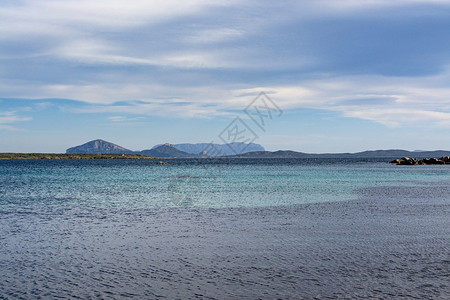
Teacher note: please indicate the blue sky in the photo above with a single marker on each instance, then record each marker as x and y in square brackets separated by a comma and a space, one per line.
[348, 75]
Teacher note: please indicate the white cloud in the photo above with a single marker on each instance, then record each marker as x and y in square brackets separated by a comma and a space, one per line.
[42, 15]
[386, 100]
[80, 32]
[156, 108]
[9, 117]
[397, 116]
[392, 101]
[95, 32]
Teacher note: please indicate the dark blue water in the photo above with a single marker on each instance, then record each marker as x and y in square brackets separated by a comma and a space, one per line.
[224, 229]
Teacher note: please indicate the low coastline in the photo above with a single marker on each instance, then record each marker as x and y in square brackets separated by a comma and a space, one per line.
[71, 156]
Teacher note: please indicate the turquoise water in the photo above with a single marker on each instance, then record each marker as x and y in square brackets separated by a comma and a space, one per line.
[223, 229]
[143, 184]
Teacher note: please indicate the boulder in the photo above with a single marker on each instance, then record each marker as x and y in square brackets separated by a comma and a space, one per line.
[445, 159]
[435, 161]
[406, 161]
[396, 161]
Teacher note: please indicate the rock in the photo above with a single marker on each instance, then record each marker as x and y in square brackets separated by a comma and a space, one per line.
[425, 161]
[396, 161]
[435, 161]
[445, 159]
[432, 161]
[406, 161]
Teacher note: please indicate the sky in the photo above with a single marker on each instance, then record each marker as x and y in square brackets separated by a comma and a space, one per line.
[311, 76]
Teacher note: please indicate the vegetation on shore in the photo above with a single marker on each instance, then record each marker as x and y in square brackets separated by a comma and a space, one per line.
[71, 156]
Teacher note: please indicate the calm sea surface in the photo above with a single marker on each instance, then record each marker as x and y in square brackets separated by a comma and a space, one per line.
[223, 229]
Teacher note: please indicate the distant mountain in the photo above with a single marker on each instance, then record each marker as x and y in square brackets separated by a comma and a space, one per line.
[364, 154]
[101, 146]
[230, 150]
[275, 154]
[218, 149]
[167, 150]
[98, 146]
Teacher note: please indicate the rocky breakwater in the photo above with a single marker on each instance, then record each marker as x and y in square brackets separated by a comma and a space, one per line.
[406, 161]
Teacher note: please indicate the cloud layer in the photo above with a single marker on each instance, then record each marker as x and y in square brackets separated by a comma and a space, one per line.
[382, 61]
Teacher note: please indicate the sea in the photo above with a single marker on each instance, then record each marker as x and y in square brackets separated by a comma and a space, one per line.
[224, 229]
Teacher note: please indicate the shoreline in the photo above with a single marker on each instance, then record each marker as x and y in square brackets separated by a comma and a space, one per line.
[23, 156]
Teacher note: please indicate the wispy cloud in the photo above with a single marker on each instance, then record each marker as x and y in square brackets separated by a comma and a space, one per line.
[75, 30]
[96, 14]
[181, 110]
[11, 117]
[386, 100]
[392, 101]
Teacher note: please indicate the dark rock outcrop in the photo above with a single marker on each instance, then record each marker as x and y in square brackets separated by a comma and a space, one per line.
[406, 161]
[446, 159]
